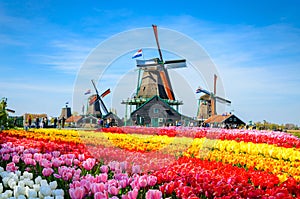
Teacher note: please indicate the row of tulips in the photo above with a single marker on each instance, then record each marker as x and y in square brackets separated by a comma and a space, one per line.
[260, 156]
[255, 136]
[281, 161]
[193, 178]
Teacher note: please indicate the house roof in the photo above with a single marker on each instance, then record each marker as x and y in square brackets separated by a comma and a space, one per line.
[217, 118]
[74, 118]
[151, 99]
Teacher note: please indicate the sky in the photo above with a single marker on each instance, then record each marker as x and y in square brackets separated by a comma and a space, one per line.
[254, 46]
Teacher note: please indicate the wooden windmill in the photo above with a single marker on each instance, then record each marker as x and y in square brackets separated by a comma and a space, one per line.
[155, 79]
[97, 106]
[208, 107]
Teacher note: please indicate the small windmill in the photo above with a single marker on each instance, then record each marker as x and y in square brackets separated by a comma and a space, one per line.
[97, 102]
[212, 98]
[155, 79]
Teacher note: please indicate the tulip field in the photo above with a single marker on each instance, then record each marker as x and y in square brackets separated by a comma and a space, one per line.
[152, 163]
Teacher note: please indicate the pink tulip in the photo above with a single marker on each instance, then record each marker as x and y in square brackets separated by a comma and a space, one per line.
[81, 157]
[133, 194]
[56, 162]
[102, 177]
[11, 167]
[101, 195]
[151, 180]
[5, 156]
[113, 190]
[55, 154]
[104, 169]
[153, 194]
[142, 181]
[123, 166]
[45, 163]
[16, 159]
[69, 162]
[37, 156]
[77, 192]
[89, 164]
[29, 161]
[136, 169]
[97, 187]
[47, 172]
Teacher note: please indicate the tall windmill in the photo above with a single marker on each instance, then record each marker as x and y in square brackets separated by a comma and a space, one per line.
[96, 102]
[210, 101]
[155, 79]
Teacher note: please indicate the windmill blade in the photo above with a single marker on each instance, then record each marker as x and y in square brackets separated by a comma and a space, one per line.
[95, 87]
[222, 100]
[103, 106]
[147, 63]
[201, 90]
[157, 42]
[180, 63]
[10, 110]
[105, 93]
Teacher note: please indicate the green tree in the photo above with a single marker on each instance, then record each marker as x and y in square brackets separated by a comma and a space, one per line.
[3, 113]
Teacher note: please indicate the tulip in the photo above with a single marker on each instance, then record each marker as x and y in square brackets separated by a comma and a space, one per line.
[77, 193]
[142, 181]
[133, 194]
[104, 169]
[113, 190]
[151, 180]
[136, 169]
[89, 164]
[47, 172]
[11, 167]
[101, 195]
[153, 194]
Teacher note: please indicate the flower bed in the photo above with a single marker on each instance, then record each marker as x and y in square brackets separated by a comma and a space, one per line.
[169, 163]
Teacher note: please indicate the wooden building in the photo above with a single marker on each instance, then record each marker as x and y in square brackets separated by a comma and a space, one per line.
[157, 112]
[224, 121]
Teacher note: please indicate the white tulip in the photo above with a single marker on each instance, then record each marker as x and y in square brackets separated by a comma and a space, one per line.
[4, 174]
[21, 197]
[58, 192]
[49, 197]
[38, 180]
[36, 187]
[8, 193]
[31, 193]
[1, 188]
[18, 173]
[21, 183]
[53, 185]
[44, 183]
[45, 190]
[5, 181]
[11, 183]
[1, 169]
[59, 197]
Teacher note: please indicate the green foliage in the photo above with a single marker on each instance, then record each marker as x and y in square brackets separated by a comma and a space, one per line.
[3, 114]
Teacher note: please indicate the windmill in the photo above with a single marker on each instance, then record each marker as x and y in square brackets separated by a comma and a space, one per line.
[96, 102]
[155, 80]
[210, 98]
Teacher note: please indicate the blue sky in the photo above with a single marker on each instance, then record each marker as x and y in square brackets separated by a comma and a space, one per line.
[254, 45]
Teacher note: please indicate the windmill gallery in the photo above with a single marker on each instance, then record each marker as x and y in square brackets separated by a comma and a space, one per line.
[154, 102]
